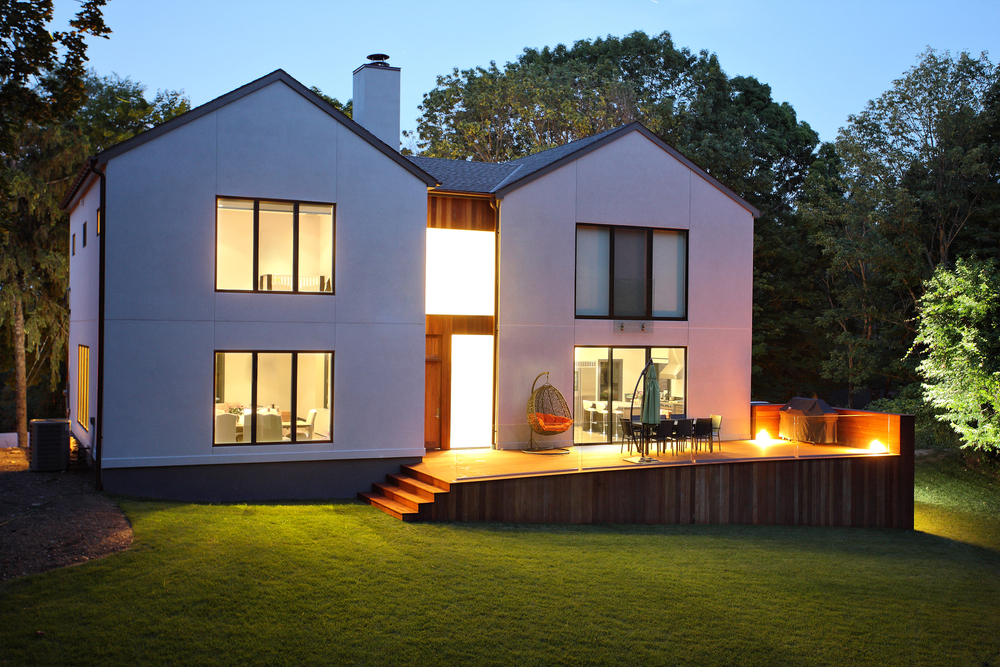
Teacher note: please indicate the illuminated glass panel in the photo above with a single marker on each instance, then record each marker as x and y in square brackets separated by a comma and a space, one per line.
[315, 248]
[274, 247]
[83, 386]
[471, 391]
[234, 245]
[461, 272]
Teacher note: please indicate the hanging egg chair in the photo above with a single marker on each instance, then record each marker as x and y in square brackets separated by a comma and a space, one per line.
[548, 414]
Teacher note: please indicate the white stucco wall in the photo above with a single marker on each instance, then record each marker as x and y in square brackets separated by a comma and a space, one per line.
[630, 181]
[84, 271]
[164, 319]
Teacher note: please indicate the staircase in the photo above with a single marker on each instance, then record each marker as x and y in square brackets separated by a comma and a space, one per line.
[408, 495]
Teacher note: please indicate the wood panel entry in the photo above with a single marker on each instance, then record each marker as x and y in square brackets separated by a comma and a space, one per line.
[433, 386]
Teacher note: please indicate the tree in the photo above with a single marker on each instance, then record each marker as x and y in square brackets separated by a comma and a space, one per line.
[47, 158]
[40, 87]
[915, 185]
[959, 331]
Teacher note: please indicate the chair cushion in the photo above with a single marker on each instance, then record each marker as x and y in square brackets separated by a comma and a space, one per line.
[553, 422]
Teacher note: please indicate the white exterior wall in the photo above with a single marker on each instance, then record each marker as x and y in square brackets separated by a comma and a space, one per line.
[84, 272]
[630, 181]
[164, 319]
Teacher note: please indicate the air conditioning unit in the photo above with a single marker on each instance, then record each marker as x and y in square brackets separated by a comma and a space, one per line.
[49, 445]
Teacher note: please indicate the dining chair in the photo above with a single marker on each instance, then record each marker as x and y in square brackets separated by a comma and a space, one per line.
[225, 427]
[683, 430]
[664, 432]
[628, 435]
[702, 432]
[309, 426]
[269, 428]
[717, 429]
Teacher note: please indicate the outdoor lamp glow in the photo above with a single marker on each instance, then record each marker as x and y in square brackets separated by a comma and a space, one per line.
[877, 446]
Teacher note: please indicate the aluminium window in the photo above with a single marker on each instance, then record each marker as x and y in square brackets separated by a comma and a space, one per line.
[631, 272]
[274, 246]
[291, 391]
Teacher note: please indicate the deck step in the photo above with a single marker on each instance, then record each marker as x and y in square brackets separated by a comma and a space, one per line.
[415, 486]
[401, 496]
[425, 478]
[389, 506]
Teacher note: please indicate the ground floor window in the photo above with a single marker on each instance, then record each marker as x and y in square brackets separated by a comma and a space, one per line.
[83, 386]
[605, 379]
[273, 397]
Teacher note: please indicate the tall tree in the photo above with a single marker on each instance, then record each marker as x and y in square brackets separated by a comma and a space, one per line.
[916, 184]
[40, 86]
[959, 332]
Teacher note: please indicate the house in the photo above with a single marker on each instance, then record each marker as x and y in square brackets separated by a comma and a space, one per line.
[265, 250]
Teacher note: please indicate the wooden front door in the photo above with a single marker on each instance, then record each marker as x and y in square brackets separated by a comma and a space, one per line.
[433, 386]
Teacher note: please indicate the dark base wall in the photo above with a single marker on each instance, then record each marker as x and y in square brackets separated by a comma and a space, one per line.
[245, 482]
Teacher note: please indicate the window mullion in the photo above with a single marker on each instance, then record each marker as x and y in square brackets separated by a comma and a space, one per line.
[256, 249]
[649, 273]
[611, 271]
[293, 413]
[295, 247]
[253, 401]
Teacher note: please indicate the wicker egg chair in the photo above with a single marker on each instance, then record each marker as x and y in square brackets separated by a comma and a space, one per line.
[548, 414]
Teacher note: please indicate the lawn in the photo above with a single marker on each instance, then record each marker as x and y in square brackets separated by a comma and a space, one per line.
[339, 583]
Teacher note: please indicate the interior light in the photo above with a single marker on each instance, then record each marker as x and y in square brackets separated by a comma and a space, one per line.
[461, 272]
[471, 391]
[877, 446]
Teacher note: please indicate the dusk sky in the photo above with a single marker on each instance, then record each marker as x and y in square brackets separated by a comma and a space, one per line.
[826, 58]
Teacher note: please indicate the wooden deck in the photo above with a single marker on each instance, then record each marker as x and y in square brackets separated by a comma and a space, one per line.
[744, 482]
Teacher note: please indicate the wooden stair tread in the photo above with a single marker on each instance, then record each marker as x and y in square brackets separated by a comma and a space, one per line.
[389, 506]
[425, 478]
[415, 485]
[401, 496]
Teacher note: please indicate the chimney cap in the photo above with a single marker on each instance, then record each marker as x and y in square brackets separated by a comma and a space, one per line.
[379, 59]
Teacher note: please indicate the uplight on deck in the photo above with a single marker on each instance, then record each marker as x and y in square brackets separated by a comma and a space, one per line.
[877, 447]
[763, 439]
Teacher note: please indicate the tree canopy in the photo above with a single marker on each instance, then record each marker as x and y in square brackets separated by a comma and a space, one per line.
[959, 331]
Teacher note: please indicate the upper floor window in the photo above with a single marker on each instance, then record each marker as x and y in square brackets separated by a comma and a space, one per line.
[631, 272]
[274, 246]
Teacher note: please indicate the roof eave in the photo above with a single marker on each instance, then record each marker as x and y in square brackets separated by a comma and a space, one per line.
[253, 86]
[502, 191]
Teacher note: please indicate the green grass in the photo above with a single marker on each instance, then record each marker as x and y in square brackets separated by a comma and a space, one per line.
[339, 583]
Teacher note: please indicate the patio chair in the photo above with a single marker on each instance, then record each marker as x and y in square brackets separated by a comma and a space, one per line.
[664, 432]
[683, 430]
[702, 433]
[629, 435]
[717, 429]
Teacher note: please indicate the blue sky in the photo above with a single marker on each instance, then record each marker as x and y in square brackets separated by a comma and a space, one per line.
[826, 58]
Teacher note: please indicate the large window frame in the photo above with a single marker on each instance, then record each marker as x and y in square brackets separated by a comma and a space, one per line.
[619, 386]
[251, 441]
[295, 246]
[649, 282]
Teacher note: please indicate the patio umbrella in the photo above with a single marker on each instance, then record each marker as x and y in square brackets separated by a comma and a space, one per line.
[651, 398]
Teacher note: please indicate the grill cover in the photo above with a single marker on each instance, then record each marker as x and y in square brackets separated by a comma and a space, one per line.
[807, 420]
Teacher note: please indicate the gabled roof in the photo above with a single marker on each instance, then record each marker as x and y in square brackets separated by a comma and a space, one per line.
[243, 91]
[499, 179]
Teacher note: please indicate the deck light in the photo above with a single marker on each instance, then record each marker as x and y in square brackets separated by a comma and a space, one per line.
[763, 438]
[878, 447]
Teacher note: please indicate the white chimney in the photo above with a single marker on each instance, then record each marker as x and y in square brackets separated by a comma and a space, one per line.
[376, 99]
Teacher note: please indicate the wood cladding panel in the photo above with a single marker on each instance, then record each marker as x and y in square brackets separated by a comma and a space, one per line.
[859, 492]
[468, 213]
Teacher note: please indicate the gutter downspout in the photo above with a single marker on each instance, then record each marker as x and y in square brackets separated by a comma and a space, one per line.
[101, 232]
[495, 205]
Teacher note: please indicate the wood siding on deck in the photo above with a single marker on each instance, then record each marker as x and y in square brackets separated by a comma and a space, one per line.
[858, 492]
